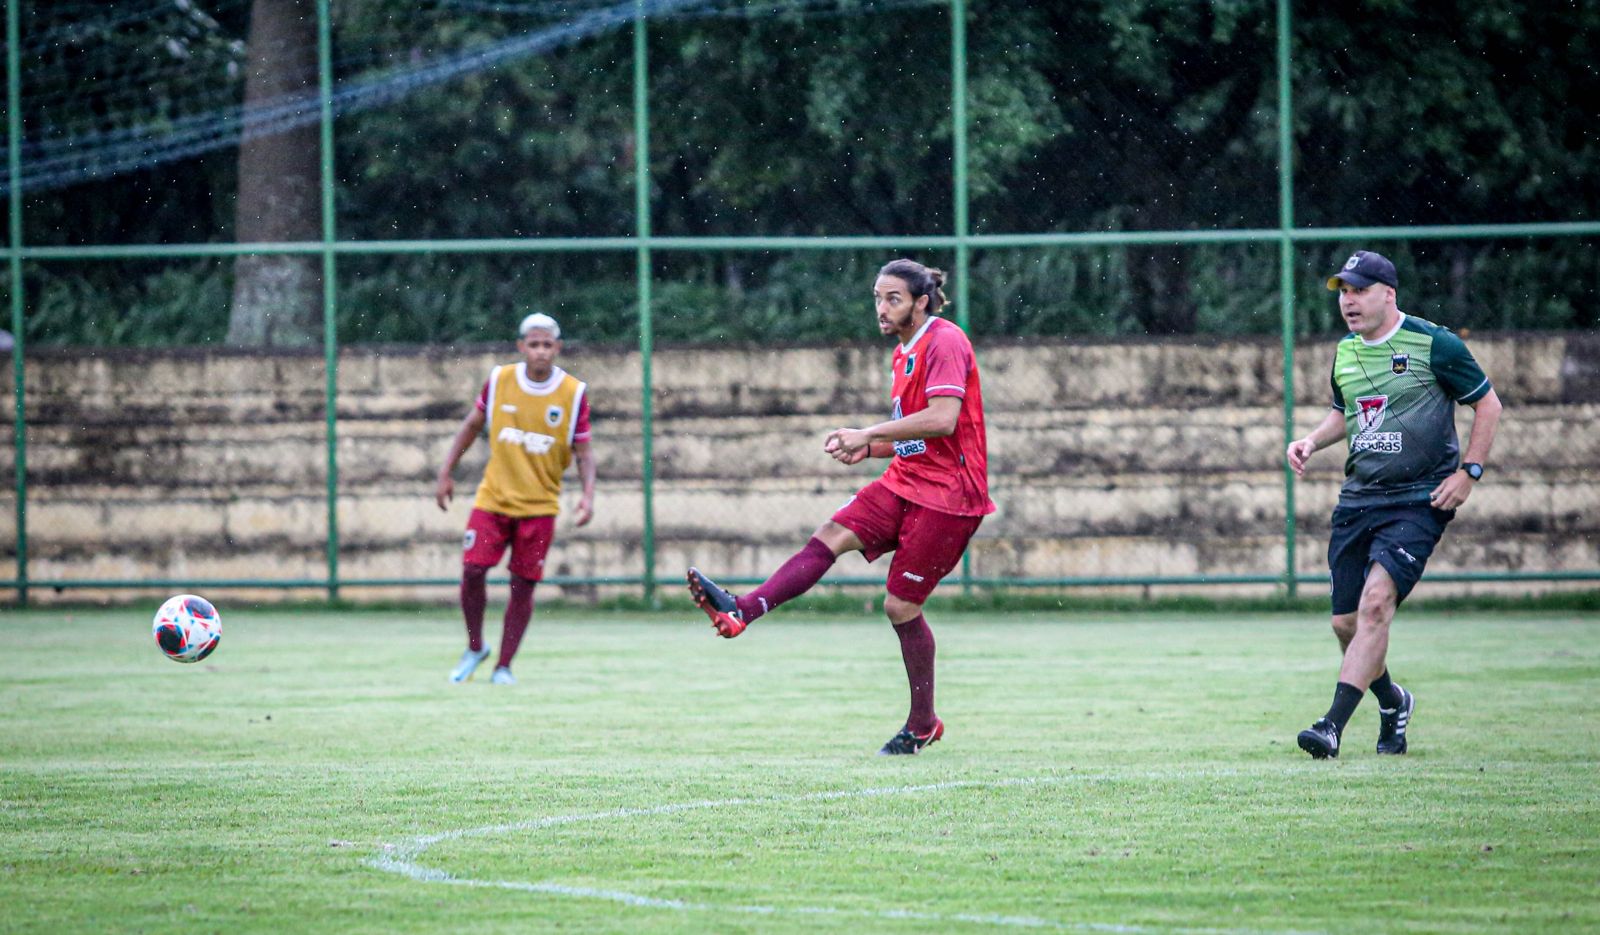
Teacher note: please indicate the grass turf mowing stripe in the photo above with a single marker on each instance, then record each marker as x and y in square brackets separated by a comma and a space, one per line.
[402, 859]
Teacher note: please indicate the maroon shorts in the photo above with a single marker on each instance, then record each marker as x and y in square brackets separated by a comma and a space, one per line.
[926, 543]
[488, 534]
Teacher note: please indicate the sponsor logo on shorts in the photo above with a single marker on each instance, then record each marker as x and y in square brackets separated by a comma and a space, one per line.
[469, 540]
[917, 578]
[533, 442]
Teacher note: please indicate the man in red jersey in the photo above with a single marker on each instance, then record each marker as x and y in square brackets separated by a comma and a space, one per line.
[924, 508]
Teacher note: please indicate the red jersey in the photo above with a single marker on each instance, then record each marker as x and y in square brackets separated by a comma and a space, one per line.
[949, 474]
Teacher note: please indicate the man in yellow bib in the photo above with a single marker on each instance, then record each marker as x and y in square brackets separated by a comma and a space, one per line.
[538, 421]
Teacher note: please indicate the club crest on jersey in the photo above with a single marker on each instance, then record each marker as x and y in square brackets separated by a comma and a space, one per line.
[1369, 413]
[552, 416]
[1399, 363]
[911, 364]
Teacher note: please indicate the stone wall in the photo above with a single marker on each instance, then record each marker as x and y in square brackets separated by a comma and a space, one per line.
[1156, 457]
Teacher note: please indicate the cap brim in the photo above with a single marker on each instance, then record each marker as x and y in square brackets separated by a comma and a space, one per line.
[1351, 277]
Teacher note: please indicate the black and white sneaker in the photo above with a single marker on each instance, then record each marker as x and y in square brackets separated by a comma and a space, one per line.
[906, 743]
[1392, 724]
[1320, 740]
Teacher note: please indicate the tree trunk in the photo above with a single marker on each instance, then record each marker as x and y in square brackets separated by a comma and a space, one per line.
[1163, 300]
[277, 300]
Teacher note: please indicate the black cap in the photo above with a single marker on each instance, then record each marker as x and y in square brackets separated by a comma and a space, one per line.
[1363, 269]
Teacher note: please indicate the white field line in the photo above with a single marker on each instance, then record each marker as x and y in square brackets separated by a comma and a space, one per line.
[402, 858]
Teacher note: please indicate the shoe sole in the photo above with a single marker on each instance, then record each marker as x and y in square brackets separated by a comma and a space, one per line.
[702, 598]
[721, 620]
[1310, 744]
[726, 626]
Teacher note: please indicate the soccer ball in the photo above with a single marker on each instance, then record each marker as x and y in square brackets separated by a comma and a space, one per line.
[187, 628]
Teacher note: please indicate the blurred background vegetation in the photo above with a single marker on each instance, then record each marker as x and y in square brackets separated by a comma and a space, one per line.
[816, 118]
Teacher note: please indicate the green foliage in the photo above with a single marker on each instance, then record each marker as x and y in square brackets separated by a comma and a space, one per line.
[172, 304]
[1453, 112]
[1103, 115]
[1126, 772]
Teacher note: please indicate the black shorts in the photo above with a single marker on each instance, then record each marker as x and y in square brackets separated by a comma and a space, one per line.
[1400, 538]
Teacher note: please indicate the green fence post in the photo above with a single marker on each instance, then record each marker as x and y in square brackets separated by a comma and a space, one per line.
[958, 131]
[330, 289]
[958, 124]
[641, 183]
[14, 163]
[1286, 279]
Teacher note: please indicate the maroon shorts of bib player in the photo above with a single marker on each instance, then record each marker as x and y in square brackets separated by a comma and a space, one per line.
[488, 534]
[926, 543]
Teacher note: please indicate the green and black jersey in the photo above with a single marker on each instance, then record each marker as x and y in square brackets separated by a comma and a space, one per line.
[1398, 395]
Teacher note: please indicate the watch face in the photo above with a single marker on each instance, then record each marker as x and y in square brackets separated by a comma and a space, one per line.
[1474, 471]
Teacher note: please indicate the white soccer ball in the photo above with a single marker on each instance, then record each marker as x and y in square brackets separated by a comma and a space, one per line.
[187, 628]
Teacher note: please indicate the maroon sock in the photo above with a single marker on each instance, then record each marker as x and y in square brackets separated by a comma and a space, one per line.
[796, 576]
[474, 597]
[518, 612]
[916, 648]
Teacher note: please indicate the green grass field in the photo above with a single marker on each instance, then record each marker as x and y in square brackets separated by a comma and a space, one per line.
[1118, 772]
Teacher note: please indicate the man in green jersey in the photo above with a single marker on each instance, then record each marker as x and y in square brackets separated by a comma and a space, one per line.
[1396, 382]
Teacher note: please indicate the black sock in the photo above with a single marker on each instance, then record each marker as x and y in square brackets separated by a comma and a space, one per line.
[1345, 699]
[1387, 693]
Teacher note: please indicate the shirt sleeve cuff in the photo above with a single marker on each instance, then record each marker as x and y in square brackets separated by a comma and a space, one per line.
[1478, 392]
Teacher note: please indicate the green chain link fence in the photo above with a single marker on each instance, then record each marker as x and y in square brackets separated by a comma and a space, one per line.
[1117, 463]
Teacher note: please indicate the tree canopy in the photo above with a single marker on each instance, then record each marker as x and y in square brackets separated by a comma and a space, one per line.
[813, 118]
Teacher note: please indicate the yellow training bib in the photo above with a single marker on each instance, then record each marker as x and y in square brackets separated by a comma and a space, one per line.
[530, 441]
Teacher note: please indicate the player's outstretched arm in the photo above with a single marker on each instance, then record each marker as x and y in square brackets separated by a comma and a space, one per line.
[936, 421]
[848, 446]
[1328, 431]
[444, 486]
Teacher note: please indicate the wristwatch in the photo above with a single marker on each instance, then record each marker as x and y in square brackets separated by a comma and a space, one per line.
[1474, 469]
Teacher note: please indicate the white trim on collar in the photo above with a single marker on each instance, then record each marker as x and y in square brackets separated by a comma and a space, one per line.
[906, 347]
[539, 389]
[1385, 338]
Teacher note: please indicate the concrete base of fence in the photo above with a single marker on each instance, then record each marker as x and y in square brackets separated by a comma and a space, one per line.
[1128, 458]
